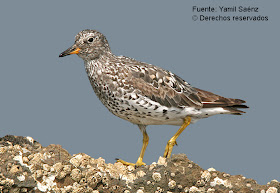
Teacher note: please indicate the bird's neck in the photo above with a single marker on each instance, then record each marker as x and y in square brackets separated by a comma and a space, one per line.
[101, 63]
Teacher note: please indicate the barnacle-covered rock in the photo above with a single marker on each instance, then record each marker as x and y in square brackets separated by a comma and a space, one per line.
[156, 176]
[76, 175]
[206, 176]
[26, 166]
[61, 171]
[83, 160]
[272, 190]
[140, 174]
[15, 169]
[192, 189]
[171, 184]
[162, 161]
[7, 183]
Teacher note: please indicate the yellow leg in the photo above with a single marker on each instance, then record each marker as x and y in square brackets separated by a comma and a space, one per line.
[172, 141]
[144, 146]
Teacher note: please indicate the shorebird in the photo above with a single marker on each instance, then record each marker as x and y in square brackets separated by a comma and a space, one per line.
[145, 94]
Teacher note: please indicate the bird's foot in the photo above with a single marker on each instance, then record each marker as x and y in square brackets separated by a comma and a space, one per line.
[137, 164]
[169, 148]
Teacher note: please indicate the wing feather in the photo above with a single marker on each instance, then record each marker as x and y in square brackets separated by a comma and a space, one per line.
[170, 90]
[163, 86]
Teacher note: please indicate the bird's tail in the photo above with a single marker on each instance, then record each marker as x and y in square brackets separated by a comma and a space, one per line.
[211, 100]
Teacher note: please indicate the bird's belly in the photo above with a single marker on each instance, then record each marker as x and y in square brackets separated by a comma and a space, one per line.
[149, 112]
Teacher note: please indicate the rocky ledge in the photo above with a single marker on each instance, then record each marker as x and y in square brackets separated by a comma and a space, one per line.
[26, 166]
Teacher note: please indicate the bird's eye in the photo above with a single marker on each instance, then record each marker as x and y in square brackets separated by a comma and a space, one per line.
[90, 40]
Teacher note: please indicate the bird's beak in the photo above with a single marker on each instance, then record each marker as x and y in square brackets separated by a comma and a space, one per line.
[72, 50]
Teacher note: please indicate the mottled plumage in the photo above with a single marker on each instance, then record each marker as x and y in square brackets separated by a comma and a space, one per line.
[142, 93]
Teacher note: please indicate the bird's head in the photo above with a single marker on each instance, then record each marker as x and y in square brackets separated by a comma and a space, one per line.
[89, 45]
